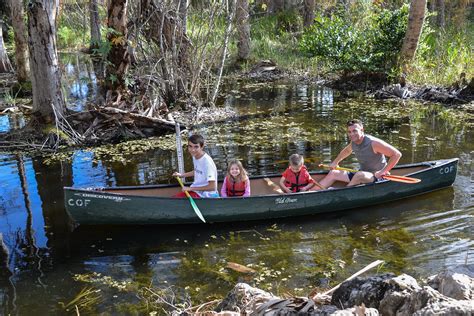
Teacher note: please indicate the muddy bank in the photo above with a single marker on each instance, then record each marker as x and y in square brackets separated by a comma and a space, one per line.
[101, 125]
[375, 85]
[450, 292]
[457, 95]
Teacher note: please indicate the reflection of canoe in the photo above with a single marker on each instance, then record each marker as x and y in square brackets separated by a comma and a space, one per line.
[152, 204]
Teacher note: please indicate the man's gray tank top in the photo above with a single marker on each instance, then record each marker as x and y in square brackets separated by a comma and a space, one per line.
[368, 160]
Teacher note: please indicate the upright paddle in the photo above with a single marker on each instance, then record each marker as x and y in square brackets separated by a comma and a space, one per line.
[402, 179]
[193, 204]
[179, 151]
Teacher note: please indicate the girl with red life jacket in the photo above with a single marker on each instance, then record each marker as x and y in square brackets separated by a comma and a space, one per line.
[296, 178]
[236, 182]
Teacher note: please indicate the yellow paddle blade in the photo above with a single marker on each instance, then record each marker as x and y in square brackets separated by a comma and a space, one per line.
[402, 179]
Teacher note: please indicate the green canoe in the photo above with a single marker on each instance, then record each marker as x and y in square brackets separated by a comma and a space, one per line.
[152, 204]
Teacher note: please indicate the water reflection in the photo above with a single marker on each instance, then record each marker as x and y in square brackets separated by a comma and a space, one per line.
[81, 76]
[418, 235]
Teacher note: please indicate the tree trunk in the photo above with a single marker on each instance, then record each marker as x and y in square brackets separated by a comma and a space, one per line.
[440, 8]
[5, 65]
[230, 17]
[21, 42]
[243, 29]
[183, 13]
[118, 58]
[416, 18]
[309, 8]
[45, 73]
[95, 24]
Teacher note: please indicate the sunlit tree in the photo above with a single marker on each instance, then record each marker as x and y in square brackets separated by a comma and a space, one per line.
[48, 100]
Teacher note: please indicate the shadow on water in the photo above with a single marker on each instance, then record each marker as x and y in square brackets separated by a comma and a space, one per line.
[47, 263]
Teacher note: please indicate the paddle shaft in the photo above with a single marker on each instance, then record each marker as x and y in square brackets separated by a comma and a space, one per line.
[179, 150]
[402, 179]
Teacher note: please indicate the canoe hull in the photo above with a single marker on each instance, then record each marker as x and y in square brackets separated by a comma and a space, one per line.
[94, 207]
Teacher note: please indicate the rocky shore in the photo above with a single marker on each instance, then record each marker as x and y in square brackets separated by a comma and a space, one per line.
[450, 292]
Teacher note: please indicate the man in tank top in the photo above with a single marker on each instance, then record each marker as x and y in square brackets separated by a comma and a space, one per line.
[371, 153]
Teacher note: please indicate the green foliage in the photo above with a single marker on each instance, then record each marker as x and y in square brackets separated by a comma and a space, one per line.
[367, 41]
[387, 39]
[443, 55]
[69, 37]
[288, 21]
[279, 46]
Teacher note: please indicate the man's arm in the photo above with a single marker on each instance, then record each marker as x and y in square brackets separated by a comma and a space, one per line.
[346, 152]
[381, 147]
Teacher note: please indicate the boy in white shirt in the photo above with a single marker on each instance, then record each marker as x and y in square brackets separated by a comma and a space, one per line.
[204, 173]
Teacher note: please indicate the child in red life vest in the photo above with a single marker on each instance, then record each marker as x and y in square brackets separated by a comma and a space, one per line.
[296, 178]
[236, 182]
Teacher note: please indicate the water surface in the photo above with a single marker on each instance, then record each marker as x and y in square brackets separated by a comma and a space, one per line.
[48, 265]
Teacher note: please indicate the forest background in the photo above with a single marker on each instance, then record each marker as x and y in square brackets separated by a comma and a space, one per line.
[153, 58]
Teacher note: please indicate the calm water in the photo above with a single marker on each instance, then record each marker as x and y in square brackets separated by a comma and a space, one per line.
[48, 266]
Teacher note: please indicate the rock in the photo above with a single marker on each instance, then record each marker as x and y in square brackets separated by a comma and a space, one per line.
[357, 310]
[401, 295]
[369, 291]
[386, 294]
[456, 308]
[244, 298]
[406, 297]
[457, 282]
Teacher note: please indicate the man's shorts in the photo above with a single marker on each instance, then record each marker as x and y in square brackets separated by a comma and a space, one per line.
[351, 175]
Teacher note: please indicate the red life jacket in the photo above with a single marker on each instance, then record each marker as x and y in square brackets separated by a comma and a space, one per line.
[293, 181]
[235, 189]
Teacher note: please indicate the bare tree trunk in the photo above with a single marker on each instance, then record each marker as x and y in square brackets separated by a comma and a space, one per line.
[45, 73]
[5, 65]
[243, 29]
[118, 58]
[416, 18]
[183, 14]
[440, 18]
[95, 24]
[230, 18]
[309, 8]
[21, 42]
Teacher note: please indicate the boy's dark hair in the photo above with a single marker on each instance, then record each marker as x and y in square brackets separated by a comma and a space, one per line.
[353, 122]
[196, 139]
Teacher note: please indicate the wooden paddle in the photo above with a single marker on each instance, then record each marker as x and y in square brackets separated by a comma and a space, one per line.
[273, 185]
[395, 178]
[319, 185]
[193, 204]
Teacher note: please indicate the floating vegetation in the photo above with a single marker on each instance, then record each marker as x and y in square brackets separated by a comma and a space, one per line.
[123, 152]
[58, 157]
[87, 299]
[100, 279]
